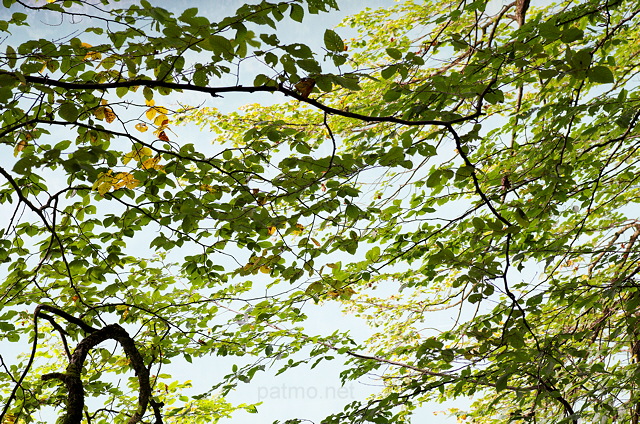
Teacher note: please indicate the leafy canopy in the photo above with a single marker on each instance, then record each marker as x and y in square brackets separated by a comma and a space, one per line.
[470, 157]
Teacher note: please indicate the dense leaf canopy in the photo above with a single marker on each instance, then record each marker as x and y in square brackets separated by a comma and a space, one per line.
[478, 158]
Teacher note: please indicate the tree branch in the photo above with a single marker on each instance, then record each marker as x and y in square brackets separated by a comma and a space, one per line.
[73, 382]
[216, 91]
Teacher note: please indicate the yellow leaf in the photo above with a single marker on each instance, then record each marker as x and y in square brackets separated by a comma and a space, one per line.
[20, 147]
[127, 180]
[160, 120]
[265, 269]
[99, 113]
[93, 56]
[151, 163]
[101, 177]
[207, 187]
[150, 102]
[271, 230]
[104, 102]
[104, 182]
[140, 154]
[142, 127]
[86, 45]
[10, 418]
[151, 113]
[298, 229]
[104, 188]
[162, 110]
[109, 115]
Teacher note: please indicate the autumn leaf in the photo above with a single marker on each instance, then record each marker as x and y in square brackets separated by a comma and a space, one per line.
[107, 181]
[150, 113]
[161, 120]
[125, 179]
[20, 147]
[91, 55]
[151, 163]
[104, 182]
[333, 294]
[207, 187]
[109, 115]
[271, 230]
[305, 86]
[138, 155]
[99, 113]
[142, 127]
[163, 136]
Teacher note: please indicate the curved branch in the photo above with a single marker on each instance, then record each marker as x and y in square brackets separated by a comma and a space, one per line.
[73, 382]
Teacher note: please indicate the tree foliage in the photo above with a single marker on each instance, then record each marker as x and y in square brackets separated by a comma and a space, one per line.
[470, 157]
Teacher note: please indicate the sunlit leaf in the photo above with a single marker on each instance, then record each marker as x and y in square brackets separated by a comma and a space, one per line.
[20, 147]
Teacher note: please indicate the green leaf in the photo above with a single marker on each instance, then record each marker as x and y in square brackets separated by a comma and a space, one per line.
[389, 71]
[391, 95]
[549, 30]
[373, 255]
[349, 82]
[434, 179]
[572, 34]
[122, 91]
[220, 44]
[600, 75]
[394, 53]
[502, 382]
[332, 41]
[297, 12]
[69, 112]
[581, 59]
[11, 56]
[478, 223]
